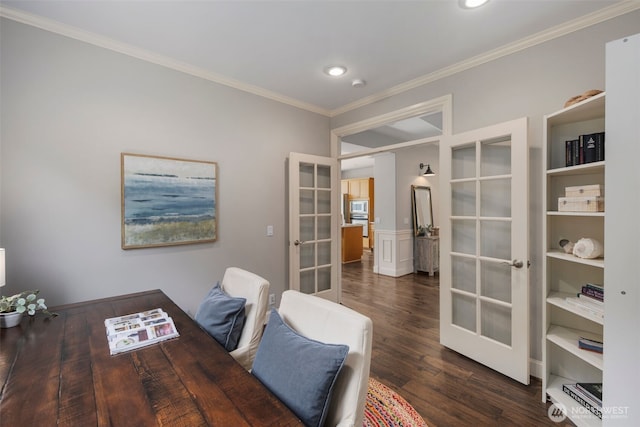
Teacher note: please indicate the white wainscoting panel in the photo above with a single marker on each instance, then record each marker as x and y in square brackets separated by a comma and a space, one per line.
[393, 253]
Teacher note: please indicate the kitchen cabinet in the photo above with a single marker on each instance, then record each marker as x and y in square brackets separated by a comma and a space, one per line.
[351, 243]
[362, 189]
[344, 186]
[357, 188]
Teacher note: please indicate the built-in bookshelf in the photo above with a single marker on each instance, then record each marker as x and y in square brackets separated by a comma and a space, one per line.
[564, 274]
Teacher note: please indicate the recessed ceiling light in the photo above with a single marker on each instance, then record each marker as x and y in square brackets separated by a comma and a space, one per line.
[470, 4]
[335, 70]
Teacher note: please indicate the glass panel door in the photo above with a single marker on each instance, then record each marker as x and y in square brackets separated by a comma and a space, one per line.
[314, 216]
[484, 278]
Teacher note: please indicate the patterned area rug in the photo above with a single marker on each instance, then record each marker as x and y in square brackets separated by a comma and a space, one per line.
[386, 408]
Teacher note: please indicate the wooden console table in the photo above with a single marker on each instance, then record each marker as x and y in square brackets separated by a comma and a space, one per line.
[58, 371]
[427, 255]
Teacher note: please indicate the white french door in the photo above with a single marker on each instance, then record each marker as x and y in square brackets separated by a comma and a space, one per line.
[484, 279]
[314, 215]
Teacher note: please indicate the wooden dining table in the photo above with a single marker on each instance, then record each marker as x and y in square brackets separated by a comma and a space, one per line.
[58, 371]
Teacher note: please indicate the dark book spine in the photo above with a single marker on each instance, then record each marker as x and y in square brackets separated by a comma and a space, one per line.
[576, 152]
[581, 150]
[598, 295]
[586, 388]
[600, 147]
[589, 347]
[568, 153]
[589, 148]
[575, 396]
[595, 287]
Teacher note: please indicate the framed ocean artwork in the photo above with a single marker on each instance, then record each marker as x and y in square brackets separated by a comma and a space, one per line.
[167, 201]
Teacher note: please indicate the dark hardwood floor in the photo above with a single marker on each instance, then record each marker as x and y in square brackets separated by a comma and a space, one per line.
[446, 388]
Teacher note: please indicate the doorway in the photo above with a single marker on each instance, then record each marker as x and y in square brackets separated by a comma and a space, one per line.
[484, 172]
[394, 145]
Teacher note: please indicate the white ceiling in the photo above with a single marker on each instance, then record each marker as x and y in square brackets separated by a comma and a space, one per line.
[279, 48]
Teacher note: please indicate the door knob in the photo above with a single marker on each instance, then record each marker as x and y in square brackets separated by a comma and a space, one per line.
[298, 242]
[515, 263]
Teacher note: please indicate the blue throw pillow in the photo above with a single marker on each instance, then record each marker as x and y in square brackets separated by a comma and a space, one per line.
[222, 316]
[300, 371]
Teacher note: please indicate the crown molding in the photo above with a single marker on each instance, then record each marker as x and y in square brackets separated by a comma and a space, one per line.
[145, 55]
[594, 18]
[597, 17]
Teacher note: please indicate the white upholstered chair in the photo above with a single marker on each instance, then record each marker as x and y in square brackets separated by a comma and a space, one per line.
[241, 283]
[331, 323]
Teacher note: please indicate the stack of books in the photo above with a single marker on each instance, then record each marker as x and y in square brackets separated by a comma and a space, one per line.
[588, 395]
[586, 148]
[590, 300]
[137, 330]
[594, 292]
[591, 345]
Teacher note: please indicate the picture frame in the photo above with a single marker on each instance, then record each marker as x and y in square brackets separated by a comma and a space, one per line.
[167, 201]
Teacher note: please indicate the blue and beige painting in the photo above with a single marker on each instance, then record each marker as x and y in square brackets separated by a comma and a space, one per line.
[167, 201]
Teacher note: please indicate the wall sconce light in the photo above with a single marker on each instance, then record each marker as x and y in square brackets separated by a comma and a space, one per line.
[427, 172]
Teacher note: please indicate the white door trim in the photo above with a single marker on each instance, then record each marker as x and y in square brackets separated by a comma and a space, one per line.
[443, 103]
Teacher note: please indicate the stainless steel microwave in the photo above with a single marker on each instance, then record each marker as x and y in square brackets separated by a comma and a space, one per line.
[359, 207]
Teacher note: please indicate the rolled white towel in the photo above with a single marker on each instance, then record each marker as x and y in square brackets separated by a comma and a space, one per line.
[588, 248]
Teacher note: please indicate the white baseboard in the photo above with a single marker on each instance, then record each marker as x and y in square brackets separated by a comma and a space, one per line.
[535, 368]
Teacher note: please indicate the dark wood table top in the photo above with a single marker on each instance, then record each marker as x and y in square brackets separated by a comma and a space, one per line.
[59, 371]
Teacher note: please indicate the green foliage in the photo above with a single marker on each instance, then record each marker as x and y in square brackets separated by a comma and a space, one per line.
[423, 231]
[24, 302]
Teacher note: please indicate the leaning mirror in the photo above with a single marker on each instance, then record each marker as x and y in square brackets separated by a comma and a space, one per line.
[422, 210]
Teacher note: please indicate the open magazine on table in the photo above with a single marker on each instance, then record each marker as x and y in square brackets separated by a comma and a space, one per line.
[132, 331]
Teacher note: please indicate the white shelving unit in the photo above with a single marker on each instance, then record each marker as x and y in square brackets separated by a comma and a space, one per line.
[565, 274]
[622, 276]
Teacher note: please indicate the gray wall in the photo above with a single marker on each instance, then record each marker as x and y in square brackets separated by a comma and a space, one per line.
[357, 173]
[408, 169]
[384, 181]
[69, 109]
[533, 82]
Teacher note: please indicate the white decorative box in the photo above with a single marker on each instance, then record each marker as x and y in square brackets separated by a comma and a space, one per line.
[581, 204]
[584, 190]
